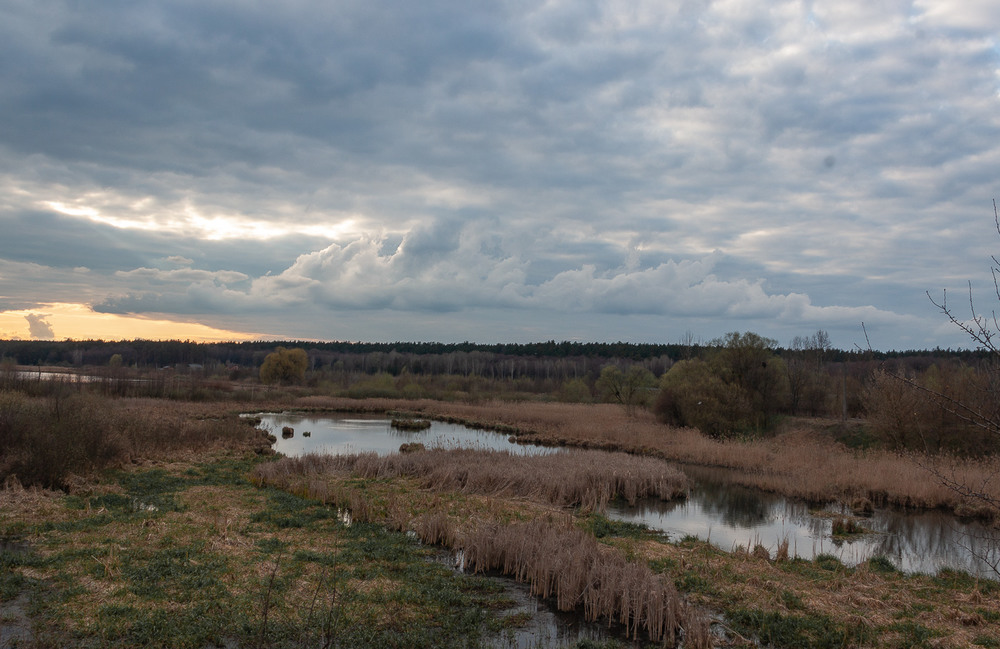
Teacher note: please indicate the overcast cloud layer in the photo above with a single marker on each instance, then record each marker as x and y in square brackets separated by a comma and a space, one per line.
[508, 171]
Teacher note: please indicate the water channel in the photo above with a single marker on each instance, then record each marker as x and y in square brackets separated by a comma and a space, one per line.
[732, 516]
[544, 625]
[717, 510]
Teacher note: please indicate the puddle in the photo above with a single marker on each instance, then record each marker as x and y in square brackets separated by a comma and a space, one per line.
[15, 628]
[537, 622]
[14, 545]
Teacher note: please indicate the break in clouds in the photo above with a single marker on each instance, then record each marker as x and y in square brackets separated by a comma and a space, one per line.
[517, 171]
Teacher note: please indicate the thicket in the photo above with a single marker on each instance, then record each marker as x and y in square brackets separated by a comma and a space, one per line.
[54, 440]
[741, 386]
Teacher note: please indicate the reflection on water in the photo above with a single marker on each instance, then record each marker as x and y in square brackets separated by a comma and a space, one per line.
[731, 516]
[541, 623]
[360, 434]
[726, 514]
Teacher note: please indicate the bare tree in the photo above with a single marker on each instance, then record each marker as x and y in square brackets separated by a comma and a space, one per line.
[980, 409]
[983, 330]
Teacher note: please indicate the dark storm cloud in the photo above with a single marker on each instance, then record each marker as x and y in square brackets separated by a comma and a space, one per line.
[726, 164]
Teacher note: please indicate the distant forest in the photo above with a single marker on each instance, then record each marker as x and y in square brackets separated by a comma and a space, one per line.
[741, 384]
[550, 359]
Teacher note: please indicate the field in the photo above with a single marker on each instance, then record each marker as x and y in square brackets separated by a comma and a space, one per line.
[178, 529]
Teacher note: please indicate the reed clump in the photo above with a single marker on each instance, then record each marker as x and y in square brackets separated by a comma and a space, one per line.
[585, 479]
[569, 565]
[558, 559]
[410, 424]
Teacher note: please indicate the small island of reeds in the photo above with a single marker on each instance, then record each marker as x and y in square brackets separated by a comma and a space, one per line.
[410, 424]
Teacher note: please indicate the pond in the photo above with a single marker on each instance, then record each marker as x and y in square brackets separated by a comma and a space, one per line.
[360, 434]
[731, 516]
[716, 510]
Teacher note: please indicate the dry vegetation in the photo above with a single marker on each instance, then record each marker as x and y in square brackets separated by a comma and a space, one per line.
[556, 558]
[783, 602]
[801, 460]
[588, 480]
[228, 547]
[59, 440]
[566, 563]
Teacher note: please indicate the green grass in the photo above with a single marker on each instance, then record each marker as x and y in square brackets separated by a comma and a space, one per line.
[371, 588]
[828, 562]
[601, 526]
[882, 565]
[798, 631]
[911, 634]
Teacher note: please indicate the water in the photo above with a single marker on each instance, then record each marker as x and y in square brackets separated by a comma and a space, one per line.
[731, 516]
[359, 434]
[544, 625]
[718, 511]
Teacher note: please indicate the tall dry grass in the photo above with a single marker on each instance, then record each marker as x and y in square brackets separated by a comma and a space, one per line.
[50, 442]
[565, 563]
[556, 558]
[585, 479]
[797, 462]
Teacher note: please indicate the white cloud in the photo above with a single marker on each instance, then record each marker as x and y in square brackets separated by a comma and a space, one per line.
[38, 328]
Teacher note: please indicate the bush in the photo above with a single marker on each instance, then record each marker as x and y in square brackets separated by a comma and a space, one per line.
[284, 366]
[740, 388]
[629, 388]
[575, 391]
[45, 445]
[691, 394]
[46, 441]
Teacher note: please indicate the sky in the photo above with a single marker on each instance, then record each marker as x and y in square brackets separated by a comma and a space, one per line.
[447, 170]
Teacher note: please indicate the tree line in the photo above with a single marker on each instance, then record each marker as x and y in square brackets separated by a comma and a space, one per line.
[393, 357]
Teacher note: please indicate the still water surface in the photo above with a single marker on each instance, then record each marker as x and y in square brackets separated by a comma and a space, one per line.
[360, 434]
[731, 516]
[726, 514]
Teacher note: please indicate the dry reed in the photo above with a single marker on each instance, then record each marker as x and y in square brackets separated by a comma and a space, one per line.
[798, 462]
[585, 479]
[565, 563]
[557, 559]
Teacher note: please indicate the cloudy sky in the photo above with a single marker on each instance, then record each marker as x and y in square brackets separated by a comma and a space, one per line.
[517, 171]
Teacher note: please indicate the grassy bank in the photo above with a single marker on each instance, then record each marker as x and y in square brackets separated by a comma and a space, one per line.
[190, 554]
[189, 536]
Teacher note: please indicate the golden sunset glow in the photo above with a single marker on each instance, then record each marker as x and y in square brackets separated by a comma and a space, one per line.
[59, 321]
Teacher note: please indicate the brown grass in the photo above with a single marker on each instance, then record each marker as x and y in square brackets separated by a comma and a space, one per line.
[801, 461]
[585, 479]
[556, 558]
[563, 562]
[52, 442]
